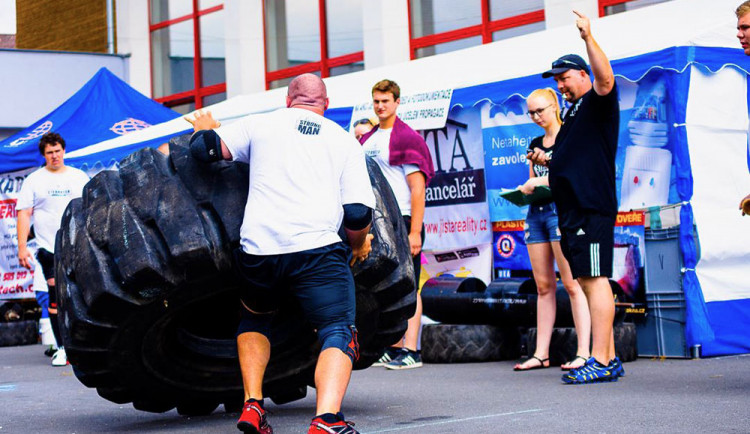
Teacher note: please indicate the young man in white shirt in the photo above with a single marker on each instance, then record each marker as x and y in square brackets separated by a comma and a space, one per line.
[403, 157]
[306, 174]
[44, 196]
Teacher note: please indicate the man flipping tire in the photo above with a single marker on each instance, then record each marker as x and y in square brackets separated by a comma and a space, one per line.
[306, 173]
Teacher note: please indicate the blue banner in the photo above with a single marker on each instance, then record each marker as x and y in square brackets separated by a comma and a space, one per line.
[507, 133]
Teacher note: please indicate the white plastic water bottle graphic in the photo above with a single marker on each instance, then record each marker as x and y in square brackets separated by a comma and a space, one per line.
[647, 170]
[648, 123]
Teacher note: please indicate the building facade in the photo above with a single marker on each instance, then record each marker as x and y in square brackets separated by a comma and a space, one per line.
[188, 54]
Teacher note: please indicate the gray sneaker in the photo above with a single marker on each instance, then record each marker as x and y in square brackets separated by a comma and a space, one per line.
[406, 359]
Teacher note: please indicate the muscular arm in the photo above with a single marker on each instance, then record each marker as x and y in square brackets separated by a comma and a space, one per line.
[604, 78]
[416, 182]
[23, 228]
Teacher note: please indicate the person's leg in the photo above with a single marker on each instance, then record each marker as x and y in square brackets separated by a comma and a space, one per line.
[588, 246]
[579, 307]
[47, 261]
[411, 337]
[540, 255]
[602, 308]
[332, 375]
[404, 354]
[322, 281]
[254, 351]
[259, 302]
[52, 309]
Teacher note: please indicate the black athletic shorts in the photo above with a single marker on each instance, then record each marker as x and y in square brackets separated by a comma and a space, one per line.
[588, 244]
[47, 261]
[320, 279]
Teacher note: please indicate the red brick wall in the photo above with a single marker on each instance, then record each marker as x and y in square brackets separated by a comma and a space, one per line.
[62, 25]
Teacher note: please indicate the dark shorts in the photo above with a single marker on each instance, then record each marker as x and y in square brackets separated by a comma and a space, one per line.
[588, 244]
[47, 261]
[541, 224]
[320, 279]
[416, 260]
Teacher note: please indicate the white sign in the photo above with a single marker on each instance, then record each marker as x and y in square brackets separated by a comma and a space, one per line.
[421, 111]
[15, 281]
[472, 261]
[456, 213]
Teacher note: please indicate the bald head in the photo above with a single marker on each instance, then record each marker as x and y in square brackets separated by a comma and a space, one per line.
[307, 90]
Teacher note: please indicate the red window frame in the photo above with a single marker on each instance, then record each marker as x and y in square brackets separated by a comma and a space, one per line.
[485, 29]
[199, 91]
[325, 63]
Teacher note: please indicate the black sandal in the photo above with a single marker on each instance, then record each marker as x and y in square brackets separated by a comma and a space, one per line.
[539, 366]
[574, 359]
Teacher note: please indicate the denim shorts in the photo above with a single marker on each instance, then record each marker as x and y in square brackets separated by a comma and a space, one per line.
[541, 224]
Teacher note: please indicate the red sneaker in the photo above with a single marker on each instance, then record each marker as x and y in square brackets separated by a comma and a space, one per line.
[253, 419]
[340, 426]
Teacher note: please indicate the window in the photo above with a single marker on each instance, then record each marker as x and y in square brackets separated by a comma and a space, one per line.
[440, 26]
[322, 37]
[609, 7]
[187, 53]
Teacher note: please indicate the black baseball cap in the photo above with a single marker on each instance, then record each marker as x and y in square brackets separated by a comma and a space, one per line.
[566, 62]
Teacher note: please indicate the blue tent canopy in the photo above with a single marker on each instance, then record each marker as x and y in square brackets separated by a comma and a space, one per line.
[631, 68]
[104, 108]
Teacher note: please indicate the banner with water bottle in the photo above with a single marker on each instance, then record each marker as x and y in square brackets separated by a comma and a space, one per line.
[645, 169]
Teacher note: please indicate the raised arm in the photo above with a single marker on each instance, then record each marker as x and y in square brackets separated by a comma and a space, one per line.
[604, 78]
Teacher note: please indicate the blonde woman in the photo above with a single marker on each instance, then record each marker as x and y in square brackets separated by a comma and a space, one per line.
[543, 242]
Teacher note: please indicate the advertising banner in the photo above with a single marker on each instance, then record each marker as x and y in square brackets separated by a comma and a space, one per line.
[456, 213]
[15, 281]
[421, 111]
[510, 252]
[644, 165]
[507, 133]
[630, 255]
[510, 246]
[473, 261]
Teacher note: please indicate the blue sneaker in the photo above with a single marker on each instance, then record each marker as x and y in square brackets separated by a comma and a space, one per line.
[389, 354]
[591, 372]
[406, 359]
[616, 366]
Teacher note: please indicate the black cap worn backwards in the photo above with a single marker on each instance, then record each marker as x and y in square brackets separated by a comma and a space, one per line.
[566, 62]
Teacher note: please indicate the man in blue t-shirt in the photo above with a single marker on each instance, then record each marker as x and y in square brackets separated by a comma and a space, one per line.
[582, 180]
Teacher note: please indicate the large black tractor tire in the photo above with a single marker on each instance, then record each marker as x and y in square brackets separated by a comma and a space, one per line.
[460, 343]
[149, 302]
[564, 343]
[15, 333]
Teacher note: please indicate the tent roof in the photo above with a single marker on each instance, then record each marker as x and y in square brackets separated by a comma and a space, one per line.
[488, 71]
[104, 108]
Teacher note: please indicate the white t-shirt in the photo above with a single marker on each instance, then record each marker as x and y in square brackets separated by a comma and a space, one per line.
[48, 194]
[378, 147]
[303, 169]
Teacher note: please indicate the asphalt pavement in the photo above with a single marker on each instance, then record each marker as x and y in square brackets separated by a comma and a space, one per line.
[672, 395]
